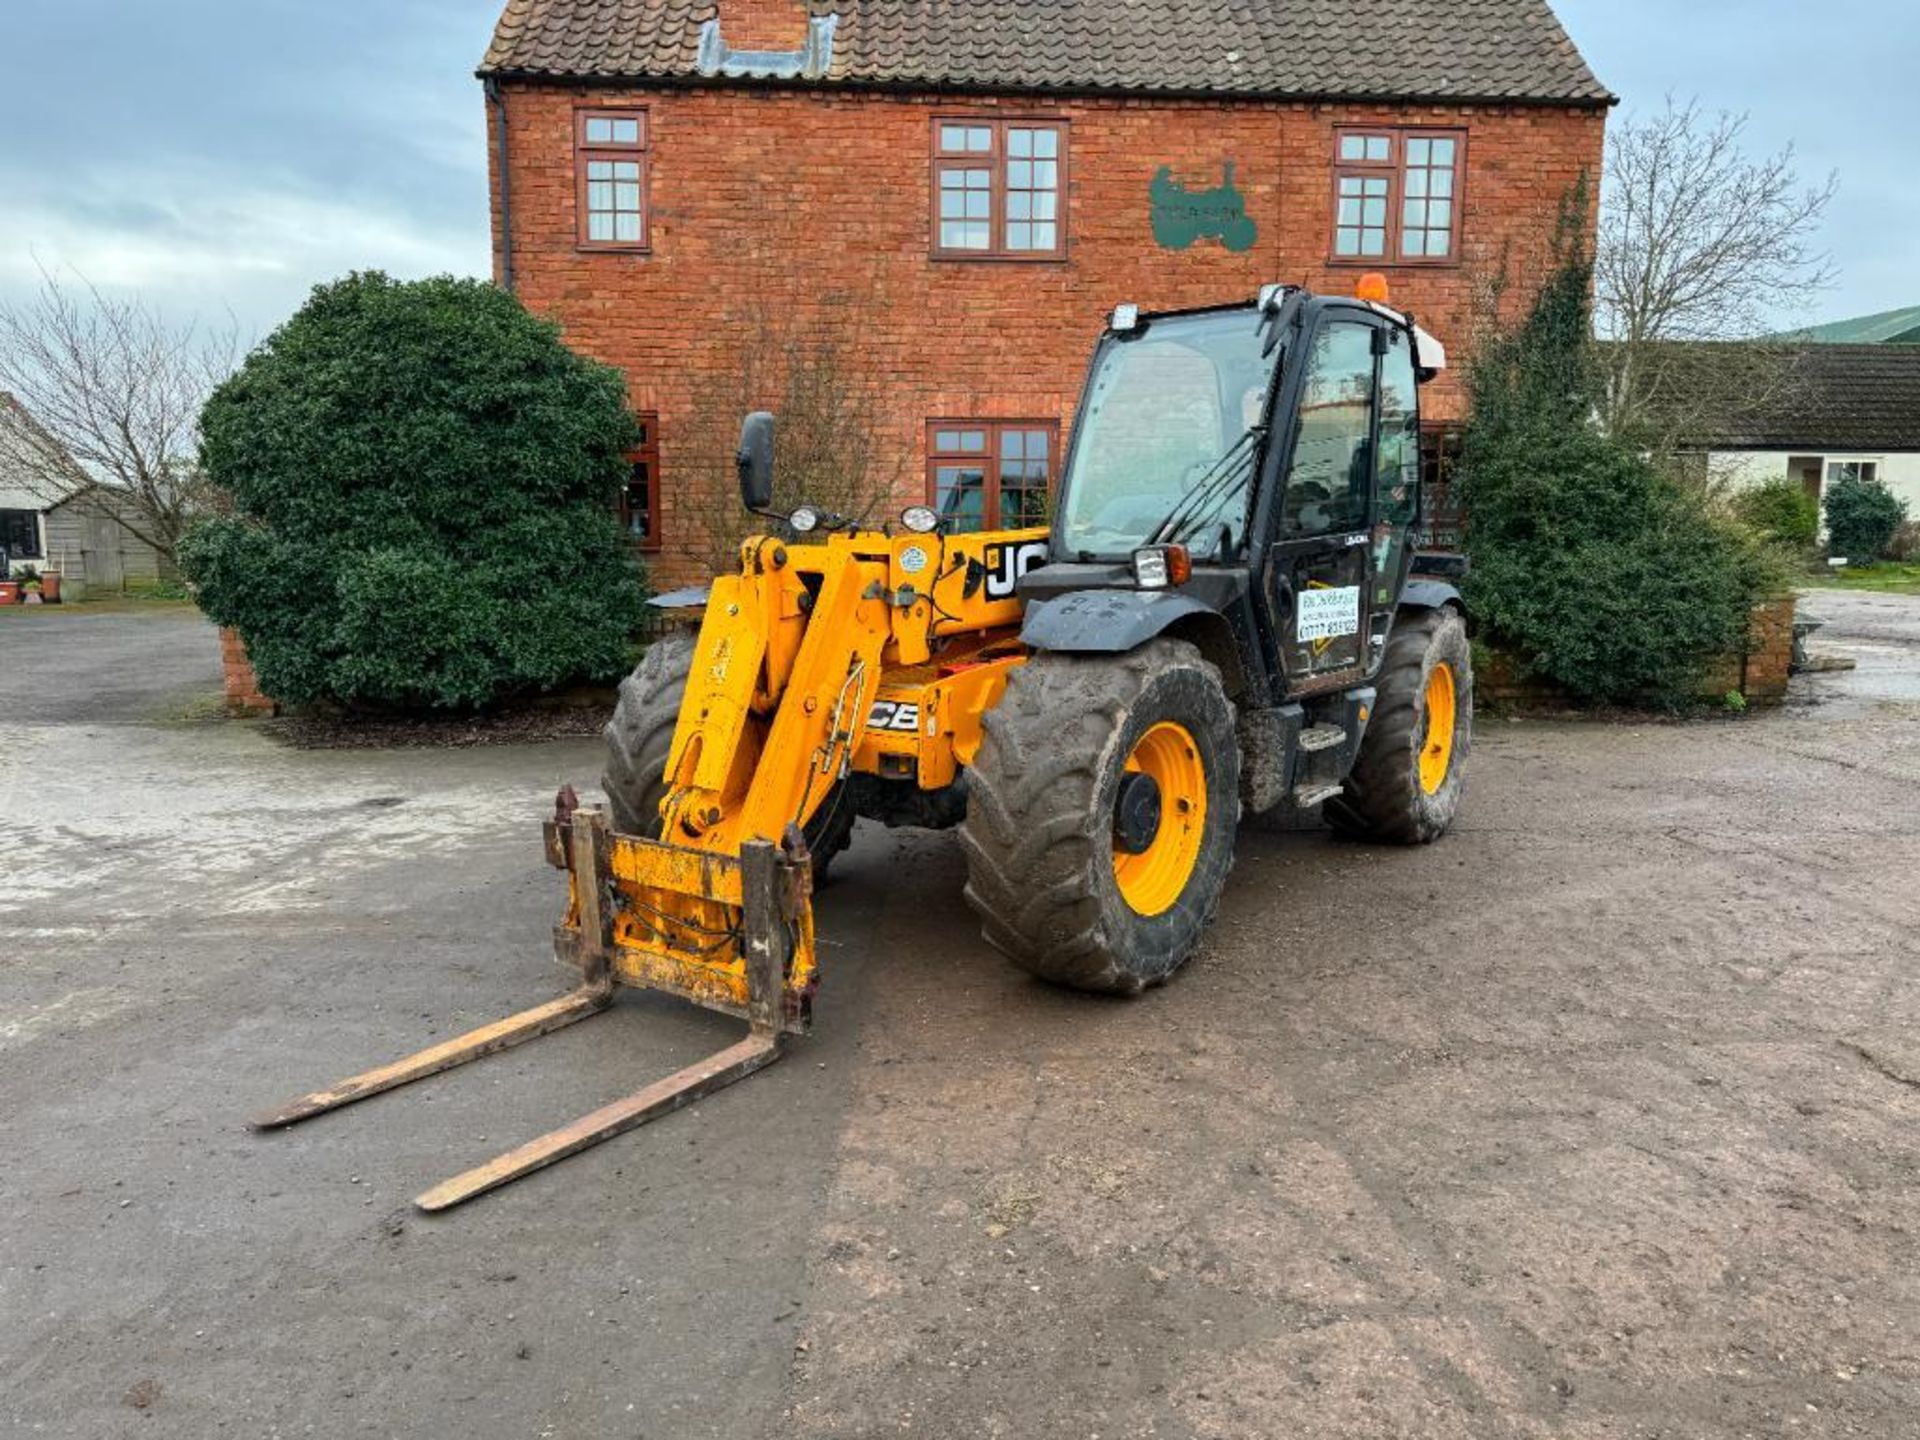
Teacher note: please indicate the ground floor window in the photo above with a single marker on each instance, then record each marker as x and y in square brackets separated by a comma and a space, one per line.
[20, 534]
[640, 497]
[991, 474]
[1441, 522]
[1867, 470]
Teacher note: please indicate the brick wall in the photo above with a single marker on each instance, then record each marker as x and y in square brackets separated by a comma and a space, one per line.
[817, 203]
[1760, 674]
[242, 686]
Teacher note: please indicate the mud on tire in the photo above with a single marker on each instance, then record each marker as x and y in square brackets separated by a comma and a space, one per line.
[640, 736]
[1038, 835]
[1384, 798]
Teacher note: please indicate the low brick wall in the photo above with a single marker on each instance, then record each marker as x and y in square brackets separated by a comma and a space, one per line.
[243, 686]
[1759, 674]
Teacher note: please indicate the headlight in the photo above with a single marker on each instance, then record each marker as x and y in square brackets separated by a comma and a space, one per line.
[1158, 566]
[920, 519]
[805, 519]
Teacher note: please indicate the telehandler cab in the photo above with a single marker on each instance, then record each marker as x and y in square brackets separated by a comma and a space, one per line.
[1225, 616]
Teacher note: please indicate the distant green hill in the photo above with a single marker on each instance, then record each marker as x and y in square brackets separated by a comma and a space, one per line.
[1889, 327]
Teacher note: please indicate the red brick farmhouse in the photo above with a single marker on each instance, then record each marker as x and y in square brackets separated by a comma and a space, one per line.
[970, 185]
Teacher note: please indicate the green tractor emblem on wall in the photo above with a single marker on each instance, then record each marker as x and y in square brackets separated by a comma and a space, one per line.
[1182, 216]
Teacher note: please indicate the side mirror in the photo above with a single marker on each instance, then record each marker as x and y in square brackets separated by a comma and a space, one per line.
[755, 461]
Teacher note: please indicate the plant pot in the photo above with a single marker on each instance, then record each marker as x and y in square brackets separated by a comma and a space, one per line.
[9, 592]
[50, 587]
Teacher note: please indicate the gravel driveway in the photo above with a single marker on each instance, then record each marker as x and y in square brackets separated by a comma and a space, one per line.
[1600, 1118]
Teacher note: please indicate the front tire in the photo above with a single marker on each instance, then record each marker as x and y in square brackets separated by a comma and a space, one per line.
[1405, 786]
[640, 737]
[1082, 872]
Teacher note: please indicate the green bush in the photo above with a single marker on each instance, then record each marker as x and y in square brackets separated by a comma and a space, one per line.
[1863, 516]
[1781, 511]
[1591, 566]
[421, 478]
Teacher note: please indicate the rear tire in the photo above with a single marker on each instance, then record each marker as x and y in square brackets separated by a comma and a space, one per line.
[1043, 865]
[1388, 796]
[640, 737]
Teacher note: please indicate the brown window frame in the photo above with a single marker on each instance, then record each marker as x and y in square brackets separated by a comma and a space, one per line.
[1394, 171]
[995, 160]
[585, 152]
[647, 453]
[990, 517]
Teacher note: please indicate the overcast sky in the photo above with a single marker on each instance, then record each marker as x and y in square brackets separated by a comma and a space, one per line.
[229, 153]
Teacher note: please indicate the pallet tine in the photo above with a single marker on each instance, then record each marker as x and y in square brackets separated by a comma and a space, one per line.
[768, 947]
[589, 841]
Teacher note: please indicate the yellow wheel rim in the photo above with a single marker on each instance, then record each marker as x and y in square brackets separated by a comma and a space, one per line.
[1153, 880]
[1436, 751]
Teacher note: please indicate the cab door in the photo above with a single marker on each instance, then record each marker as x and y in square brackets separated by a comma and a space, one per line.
[1318, 583]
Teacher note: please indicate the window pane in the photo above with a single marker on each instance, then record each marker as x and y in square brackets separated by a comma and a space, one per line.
[1442, 181]
[1353, 147]
[1020, 174]
[979, 205]
[600, 226]
[599, 170]
[1020, 143]
[1373, 242]
[962, 235]
[1417, 182]
[599, 132]
[626, 169]
[1046, 237]
[979, 138]
[1413, 214]
[599, 196]
[1346, 242]
[626, 197]
[1020, 237]
[1013, 446]
[1415, 243]
[1046, 144]
[1377, 148]
[1443, 152]
[1440, 213]
[1439, 242]
[953, 137]
[626, 132]
[960, 495]
[1332, 475]
[1417, 151]
[626, 228]
[1046, 174]
[1374, 212]
[973, 441]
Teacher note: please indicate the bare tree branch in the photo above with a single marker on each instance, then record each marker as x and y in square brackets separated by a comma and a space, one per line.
[111, 393]
[1699, 242]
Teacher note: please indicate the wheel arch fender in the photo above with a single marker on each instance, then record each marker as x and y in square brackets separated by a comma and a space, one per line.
[1427, 594]
[1112, 622]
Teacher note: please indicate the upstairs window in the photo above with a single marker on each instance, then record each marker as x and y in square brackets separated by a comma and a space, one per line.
[640, 496]
[611, 155]
[1396, 196]
[998, 188]
[990, 474]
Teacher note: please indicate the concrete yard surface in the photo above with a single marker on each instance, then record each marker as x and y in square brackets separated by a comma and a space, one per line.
[1600, 1118]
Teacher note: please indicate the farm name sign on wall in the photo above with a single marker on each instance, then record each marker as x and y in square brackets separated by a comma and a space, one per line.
[1182, 216]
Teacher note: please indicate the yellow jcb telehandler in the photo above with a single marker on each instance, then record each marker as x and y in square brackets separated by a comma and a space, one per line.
[1225, 615]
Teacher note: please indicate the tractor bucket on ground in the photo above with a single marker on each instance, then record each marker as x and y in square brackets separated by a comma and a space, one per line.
[734, 935]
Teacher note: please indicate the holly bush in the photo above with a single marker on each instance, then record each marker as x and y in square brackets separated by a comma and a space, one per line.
[1591, 565]
[420, 480]
[1862, 518]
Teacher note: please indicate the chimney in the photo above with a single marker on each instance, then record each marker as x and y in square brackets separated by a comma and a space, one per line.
[777, 25]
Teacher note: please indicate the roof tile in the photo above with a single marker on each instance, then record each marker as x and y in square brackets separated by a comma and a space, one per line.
[1400, 49]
